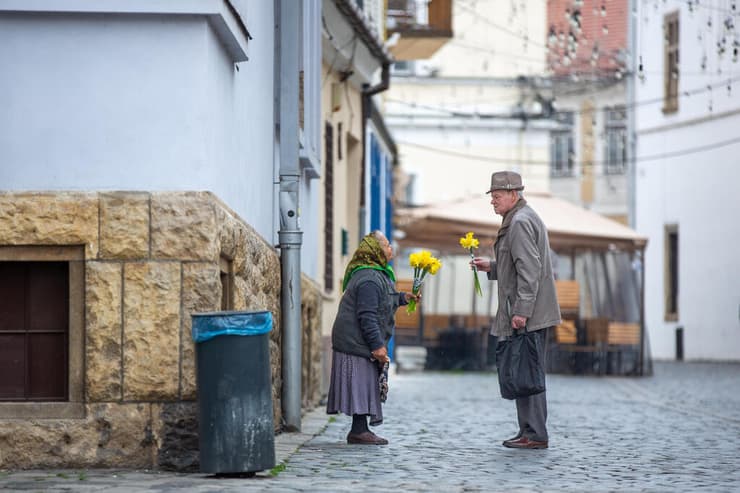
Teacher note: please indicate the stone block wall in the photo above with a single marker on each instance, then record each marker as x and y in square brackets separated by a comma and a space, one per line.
[150, 260]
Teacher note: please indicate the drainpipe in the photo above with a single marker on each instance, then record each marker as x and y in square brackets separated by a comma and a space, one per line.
[632, 21]
[289, 235]
[368, 92]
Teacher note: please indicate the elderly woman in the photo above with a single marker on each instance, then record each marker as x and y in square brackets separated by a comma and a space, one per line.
[361, 330]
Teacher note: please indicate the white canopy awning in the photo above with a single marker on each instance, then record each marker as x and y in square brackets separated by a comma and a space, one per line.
[569, 226]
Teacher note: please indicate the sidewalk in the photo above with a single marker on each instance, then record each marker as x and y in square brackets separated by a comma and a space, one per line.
[675, 431]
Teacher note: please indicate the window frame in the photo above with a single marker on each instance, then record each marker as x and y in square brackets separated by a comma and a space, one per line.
[671, 59]
[671, 280]
[74, 406]
[615, 127]
[563, 137]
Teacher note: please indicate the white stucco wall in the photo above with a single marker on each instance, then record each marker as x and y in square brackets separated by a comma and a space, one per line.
[697, 191]
[453, 159]
[139, 102]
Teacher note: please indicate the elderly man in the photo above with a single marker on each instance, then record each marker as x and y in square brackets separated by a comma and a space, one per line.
[526, 291]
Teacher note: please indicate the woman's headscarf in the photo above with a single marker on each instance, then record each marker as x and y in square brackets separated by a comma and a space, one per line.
[369, 255]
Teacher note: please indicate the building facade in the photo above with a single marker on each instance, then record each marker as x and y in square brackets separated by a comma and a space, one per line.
[140, 165]
[687, 118]
[587, 60]
[358, 158]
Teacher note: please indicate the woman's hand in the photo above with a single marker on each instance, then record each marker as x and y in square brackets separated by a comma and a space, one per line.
[411, 296]
[381, 354]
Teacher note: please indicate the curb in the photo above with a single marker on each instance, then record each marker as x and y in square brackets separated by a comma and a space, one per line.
[313, 423]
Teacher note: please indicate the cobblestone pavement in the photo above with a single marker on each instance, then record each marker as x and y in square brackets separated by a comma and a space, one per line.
[675, 431]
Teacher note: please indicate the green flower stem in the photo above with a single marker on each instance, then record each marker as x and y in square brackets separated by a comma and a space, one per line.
[475, 275]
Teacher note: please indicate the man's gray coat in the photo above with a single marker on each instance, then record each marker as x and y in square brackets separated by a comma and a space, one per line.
[524, 272]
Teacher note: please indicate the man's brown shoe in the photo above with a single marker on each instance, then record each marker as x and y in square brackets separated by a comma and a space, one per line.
[366, 438]
[514, 439]
[524, 442]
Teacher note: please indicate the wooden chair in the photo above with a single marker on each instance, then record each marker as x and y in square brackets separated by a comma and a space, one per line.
[623, 338]
[623, 334]
[433, 323]
[579, 358]
[569, 297]
[566, 333]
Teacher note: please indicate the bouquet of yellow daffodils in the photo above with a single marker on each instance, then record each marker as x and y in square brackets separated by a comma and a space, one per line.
[423, 264]
[470, 243]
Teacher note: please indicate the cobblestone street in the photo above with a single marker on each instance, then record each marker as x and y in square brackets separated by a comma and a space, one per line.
[675, 431]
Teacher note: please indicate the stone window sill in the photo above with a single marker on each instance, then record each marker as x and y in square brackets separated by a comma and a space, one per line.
[42, 410]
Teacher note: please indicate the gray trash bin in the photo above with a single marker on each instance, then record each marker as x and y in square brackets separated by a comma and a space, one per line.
[236, 431]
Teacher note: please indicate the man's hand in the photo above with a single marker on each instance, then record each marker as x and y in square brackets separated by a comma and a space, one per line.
[481, 263]
[518, 322]
[381, 354]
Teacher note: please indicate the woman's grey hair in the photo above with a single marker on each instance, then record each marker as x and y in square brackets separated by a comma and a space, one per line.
[520, 194]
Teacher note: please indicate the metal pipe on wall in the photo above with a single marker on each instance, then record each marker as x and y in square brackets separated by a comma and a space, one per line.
[289, 235]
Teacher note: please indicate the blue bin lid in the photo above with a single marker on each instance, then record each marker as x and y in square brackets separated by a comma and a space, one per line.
[234, 323]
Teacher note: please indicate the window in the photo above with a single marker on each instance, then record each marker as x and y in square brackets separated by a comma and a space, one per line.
[41, 332]
[403, 68]
[616, 140]
[329, 208]
[34, 327]
[671, 273]
[309, 87]
[671, 55]
[340, 154]
[226, 274]
[561, 146]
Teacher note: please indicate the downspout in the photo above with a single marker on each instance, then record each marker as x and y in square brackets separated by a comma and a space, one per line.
[289, 235]
[367, 93]
[632, 21]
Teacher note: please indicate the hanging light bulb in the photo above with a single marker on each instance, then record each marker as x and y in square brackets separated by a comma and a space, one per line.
[640, 71]
[605, 29]
[603, 10]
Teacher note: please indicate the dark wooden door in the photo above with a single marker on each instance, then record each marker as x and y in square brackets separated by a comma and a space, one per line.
[34, 327]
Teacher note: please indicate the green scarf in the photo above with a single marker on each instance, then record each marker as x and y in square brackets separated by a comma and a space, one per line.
[369, 255]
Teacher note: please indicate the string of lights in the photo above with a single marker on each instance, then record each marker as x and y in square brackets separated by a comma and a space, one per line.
[479, 115]
[582, 164]
[498, 27]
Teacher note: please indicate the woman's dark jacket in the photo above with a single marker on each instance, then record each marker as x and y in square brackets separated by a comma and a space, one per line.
[365, 318]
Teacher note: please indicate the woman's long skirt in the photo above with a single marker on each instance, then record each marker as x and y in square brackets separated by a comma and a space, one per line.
[354, 387]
